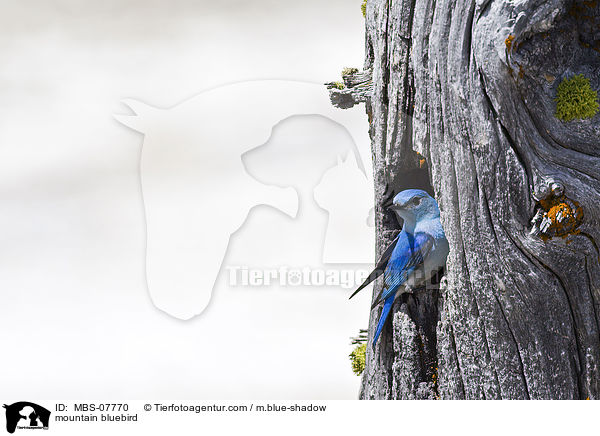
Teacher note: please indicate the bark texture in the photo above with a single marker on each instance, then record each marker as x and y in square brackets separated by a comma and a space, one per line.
[461, 103]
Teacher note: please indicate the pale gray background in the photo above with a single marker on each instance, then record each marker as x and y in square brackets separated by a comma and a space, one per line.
[75, 312]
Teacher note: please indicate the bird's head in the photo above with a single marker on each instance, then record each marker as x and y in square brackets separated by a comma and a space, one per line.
[414, 204]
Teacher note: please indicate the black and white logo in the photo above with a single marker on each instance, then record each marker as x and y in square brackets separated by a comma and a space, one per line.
[26, 415]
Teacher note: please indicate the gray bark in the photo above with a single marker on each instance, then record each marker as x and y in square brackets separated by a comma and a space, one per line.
[516, 315]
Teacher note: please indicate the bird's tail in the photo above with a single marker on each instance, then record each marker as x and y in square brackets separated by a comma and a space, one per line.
[387, 306]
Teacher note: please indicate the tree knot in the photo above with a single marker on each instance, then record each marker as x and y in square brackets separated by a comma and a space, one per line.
[556, 214]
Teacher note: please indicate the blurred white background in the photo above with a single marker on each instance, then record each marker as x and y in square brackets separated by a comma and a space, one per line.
[76, 315]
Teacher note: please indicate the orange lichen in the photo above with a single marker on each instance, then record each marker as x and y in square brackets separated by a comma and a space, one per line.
[422, 161]
[434, 376]
[565, 217]
[509, 41]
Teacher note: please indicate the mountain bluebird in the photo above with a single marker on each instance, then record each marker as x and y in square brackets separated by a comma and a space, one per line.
[416, 254]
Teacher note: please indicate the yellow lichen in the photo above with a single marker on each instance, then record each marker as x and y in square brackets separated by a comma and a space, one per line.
[358, 358]
[575, 99]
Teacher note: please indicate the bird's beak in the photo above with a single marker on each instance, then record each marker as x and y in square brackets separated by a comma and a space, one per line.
[395, 207]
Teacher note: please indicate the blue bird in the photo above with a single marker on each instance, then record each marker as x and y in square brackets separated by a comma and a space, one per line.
[416, 254]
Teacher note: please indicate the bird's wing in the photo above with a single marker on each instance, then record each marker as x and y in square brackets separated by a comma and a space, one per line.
[379, 268]
[408, 255]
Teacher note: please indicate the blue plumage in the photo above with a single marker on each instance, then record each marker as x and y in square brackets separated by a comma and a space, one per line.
[387, 306]
[418, 252]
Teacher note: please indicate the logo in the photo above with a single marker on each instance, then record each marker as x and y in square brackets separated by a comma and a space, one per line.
[242, 171]
[26, 415]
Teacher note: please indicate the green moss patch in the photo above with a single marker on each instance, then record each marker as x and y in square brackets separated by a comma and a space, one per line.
[575, 99]
[358, 358]
[363, 8]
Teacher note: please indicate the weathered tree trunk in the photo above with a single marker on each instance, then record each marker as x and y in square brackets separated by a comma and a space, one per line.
[470, 86]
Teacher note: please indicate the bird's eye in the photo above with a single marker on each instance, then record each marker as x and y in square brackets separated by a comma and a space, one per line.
[416, 201]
